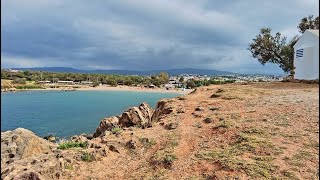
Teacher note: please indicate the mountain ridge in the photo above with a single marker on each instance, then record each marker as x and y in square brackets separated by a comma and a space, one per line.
[172, 72]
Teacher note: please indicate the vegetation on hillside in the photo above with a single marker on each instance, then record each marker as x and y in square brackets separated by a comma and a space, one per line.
[24, 79]
[110, 79]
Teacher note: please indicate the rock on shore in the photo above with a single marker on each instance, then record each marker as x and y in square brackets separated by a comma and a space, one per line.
[142, 116]
[21, 143]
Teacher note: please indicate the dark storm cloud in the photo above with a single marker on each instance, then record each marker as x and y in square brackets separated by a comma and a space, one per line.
[142, 34]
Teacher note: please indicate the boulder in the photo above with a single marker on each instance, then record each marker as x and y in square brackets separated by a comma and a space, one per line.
[50, 138]
[12, 89]
[28, 175]
[113, 149]
[140, 116]
[79, 138]
[106, 125]
[163, 107]
[172, 125]
[208, 120]
[147, 111]
[131, 144]
[22, 143]
[133, 116]
[199, 108]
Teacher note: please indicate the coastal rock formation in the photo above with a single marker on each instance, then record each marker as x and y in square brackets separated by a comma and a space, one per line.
[21, 143]
[12, 89]
[131, 117]
[106, 125]
[32, 175]
[162, 108]
[140, 116]
[147, 111]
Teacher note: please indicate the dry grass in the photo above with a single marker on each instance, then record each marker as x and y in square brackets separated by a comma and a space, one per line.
[258, 131]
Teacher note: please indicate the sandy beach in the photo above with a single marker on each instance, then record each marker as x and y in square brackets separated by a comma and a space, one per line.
[136, 89]
[117, 88]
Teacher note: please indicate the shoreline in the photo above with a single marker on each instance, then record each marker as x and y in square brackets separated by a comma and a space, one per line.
[110, 88]
[133, 89]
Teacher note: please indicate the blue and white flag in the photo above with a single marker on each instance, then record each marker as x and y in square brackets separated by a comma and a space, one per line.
[299, 53]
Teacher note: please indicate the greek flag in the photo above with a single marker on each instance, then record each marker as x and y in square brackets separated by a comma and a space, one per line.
[299, 53]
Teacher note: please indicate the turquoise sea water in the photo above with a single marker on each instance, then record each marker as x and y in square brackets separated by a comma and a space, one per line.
[67, 113]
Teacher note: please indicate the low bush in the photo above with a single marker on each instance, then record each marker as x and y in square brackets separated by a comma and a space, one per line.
[30, 87]
[116, 130]
[86, 157]
[68, 145]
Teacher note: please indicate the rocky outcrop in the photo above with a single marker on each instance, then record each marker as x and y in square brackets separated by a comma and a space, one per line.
[162, 108]
[135, 116]
[28, 175]
[106, 125]
[12, 89]
[131, 117]
[22, 143]
[140, 116]
[50, 138]
[146, 111]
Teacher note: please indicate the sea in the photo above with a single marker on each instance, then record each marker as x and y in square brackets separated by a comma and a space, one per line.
[67, 113]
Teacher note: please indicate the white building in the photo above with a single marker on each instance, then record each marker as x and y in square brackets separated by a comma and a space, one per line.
[86, 82]
[65, 82]
[44, 82]
[306, 56]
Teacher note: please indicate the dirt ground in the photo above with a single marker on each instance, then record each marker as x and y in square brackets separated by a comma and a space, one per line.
[234, 131]
[254, 131]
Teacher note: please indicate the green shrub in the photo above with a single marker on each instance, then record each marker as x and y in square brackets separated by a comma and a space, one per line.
[19, 81]
[147, 142]
[29, 87]
[95, 84]
[116, 130]
[68, 166]
[86, 157]
[68, 145]
[225, 124]
[168, 159]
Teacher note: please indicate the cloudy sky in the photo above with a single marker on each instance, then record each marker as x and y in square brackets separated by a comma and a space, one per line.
[143, 34]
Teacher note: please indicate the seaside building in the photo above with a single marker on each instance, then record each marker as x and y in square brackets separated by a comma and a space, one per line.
[169, 86]
[44, 82]
[65, 82]
[306, 56]
[86, 82]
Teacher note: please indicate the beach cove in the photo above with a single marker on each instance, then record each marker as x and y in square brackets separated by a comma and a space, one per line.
[64, 114]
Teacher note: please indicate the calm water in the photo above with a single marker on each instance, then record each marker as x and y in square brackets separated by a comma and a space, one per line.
[67, 113]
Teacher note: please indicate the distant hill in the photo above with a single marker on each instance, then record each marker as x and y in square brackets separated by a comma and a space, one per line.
[171, 72]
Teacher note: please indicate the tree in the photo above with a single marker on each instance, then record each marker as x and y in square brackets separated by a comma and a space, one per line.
[55, 80]
[19, 81]
[191, 84]
[181, 80]
[112, 82]
[163, 77]
[95, 84]
[26, 73]
[4, 75]
[156, 82]
[128, 82]
[308, 23]
[273, 49]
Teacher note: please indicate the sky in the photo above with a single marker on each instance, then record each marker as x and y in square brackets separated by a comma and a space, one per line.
[144, 34]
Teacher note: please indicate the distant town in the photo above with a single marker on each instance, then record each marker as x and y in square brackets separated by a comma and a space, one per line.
[19, 79]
